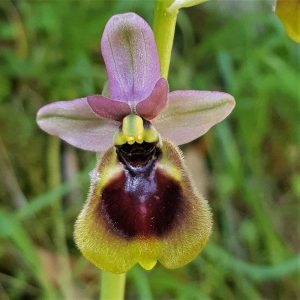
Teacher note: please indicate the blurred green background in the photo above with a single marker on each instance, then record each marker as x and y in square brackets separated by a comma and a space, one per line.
[248, 166]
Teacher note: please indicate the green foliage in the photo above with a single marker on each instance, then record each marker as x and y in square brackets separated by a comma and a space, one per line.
[49, 50]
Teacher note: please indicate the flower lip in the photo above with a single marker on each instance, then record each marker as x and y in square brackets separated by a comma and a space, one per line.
[133, 217]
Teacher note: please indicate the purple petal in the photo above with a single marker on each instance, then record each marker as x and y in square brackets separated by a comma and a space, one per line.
[190, 114]
[130, 55]
[107, 108]
[76, 123]
[155, 103]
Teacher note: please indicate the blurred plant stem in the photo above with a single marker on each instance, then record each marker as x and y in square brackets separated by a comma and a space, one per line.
[112, 286]
[70, 166]
[19, 28]
[164, 30]
[10, 181]
[54, 178]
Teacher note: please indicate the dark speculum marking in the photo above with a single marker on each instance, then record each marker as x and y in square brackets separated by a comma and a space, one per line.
[142, 200]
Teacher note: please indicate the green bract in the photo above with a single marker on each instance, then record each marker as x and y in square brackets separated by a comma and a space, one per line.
[177, 4]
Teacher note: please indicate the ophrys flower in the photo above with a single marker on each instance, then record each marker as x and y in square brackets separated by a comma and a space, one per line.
[142, 207]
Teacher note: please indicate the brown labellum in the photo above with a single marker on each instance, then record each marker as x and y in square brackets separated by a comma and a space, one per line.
[142, 209]
[143, 200]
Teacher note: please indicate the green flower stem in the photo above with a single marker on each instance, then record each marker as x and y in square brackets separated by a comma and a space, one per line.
[164, 30]
[112, 286]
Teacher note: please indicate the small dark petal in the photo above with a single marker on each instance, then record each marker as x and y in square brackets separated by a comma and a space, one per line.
[107, 108]
[150, 107]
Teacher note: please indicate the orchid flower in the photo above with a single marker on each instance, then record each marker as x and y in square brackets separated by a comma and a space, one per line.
[142, 207]
[288, 12]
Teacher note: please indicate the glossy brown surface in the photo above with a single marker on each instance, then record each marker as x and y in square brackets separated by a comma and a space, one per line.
[142, 200]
